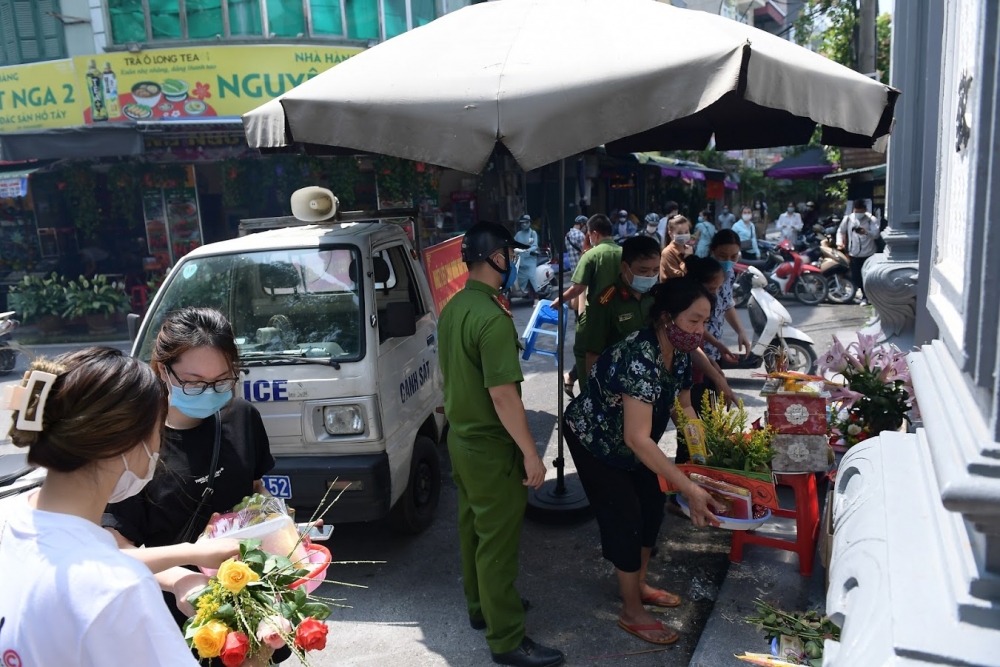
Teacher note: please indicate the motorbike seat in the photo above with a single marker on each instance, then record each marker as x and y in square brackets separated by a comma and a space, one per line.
[762, 264]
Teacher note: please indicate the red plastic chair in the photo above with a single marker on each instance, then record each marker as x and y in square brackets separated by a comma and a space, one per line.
[140, 297]
[806, 515]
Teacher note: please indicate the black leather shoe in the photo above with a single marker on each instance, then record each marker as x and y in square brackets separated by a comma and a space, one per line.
[530, 654]
[480, 623]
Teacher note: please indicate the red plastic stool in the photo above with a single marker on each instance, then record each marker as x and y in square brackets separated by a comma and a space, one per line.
[806, 515]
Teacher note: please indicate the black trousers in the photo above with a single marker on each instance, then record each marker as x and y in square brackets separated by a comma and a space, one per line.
[628, 505]
[856, 264]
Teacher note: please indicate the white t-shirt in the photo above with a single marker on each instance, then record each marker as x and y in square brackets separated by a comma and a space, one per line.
[69, 597]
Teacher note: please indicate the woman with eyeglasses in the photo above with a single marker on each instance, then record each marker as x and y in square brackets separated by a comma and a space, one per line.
[196, 357]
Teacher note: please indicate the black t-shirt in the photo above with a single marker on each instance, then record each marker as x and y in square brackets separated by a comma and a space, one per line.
[156, 516]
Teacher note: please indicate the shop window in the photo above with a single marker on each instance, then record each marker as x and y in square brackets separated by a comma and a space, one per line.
[286, 18]
[424, 11]
[395, 17]
[30, 32]
[326, 17]
[204, 18]
[362, 19]
[164, 20]
[128, 23]
[244, 18]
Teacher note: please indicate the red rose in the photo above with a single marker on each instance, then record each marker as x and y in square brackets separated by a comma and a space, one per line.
[311, 635]
[234, 651]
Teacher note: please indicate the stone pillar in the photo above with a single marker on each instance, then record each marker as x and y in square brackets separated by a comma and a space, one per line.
[891, 278]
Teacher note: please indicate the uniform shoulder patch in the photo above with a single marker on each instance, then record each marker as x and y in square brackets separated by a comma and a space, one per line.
[503, 303]
[606, 295]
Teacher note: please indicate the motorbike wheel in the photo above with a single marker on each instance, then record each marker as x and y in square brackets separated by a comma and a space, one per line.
[840, 289]
[545, 292]
[8, 359]
[801, 356]
[810, 289]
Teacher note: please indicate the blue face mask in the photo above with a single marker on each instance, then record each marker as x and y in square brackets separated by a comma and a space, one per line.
[510, 278]
[643, 284]
[201, 406]
[727, 266]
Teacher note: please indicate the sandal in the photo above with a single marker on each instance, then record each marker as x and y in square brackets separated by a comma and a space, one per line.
[635, 631]
[568, 386]
[662, 599]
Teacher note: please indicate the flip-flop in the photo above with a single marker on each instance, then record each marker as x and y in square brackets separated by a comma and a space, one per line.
[634, 630]
[654, 599]
[568, 387]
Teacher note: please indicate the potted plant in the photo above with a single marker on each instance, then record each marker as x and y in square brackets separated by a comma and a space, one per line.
[96, 300]
[40, 300]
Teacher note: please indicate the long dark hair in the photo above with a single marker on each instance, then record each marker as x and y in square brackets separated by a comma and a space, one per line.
[672, 297]
[102, 404]
[189, 328]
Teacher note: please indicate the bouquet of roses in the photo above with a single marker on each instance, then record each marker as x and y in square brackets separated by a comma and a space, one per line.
[878, 395]
[253, 605]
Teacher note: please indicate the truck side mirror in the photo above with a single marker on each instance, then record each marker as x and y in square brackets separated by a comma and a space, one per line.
[400, 320]
[133, 321]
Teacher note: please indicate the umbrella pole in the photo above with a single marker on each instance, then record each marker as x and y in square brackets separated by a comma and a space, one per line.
[559, 501]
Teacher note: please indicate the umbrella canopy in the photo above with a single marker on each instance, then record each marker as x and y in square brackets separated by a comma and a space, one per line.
[547, 79]
[810, 163]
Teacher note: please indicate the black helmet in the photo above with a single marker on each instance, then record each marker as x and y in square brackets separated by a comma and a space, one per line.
[485, 238]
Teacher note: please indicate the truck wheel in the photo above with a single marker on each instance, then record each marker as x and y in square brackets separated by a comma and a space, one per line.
[414, 511]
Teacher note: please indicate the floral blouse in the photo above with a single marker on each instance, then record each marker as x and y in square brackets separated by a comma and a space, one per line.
[723, 302]
[633, 367]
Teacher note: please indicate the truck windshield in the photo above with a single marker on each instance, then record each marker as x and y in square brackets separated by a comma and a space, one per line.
[302, 302]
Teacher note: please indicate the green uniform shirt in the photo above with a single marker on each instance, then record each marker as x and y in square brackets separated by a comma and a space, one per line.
[617, 313]
[478, 350]
[598, 268]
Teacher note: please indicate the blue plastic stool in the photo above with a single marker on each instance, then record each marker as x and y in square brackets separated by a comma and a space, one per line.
[544, 314]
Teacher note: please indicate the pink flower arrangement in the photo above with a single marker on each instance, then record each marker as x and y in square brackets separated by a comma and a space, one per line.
[878, 394]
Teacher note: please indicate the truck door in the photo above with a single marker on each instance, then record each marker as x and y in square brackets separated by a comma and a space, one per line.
[407, 367]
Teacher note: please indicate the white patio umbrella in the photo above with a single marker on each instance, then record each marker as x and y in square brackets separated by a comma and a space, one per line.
[548, 79]
[551, 78]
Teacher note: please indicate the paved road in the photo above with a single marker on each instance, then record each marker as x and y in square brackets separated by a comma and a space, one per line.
[412, 612]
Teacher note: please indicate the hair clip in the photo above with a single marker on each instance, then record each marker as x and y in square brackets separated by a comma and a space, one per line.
[17, 397]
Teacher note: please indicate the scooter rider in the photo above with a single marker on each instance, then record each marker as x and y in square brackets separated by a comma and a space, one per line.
[652, 228]
[493, 453]
[527, 237]
[856, 236]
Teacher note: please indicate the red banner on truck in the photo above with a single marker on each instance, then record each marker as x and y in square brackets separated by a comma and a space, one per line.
[446, 272]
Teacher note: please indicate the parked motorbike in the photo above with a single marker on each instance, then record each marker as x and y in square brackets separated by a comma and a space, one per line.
[773, 332]
[544, 272]
[9, 349]
[787, 274]
[836, 270]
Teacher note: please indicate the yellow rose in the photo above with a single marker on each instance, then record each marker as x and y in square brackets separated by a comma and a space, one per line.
[210, 638]
[234, 575]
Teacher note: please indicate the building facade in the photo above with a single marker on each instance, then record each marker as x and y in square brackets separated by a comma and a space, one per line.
[915, 573]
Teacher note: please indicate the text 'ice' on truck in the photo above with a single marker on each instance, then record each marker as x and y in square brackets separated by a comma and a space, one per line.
[337, 331]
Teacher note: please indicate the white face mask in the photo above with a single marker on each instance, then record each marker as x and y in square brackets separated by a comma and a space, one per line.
[130, 484]
[747, 217]
[681, 239]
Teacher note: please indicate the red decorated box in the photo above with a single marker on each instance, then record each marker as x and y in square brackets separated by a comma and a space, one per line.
[797, 413]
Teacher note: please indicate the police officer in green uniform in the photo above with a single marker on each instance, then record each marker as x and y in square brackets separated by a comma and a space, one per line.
[493, 454]
[598, 268]
[623, 306]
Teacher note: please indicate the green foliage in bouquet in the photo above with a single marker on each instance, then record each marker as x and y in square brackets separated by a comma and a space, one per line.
[729, 438]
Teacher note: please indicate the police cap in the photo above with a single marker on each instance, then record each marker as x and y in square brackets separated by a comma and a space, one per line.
[485, 238]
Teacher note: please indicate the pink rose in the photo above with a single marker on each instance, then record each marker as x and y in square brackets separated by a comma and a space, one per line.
[273, 630]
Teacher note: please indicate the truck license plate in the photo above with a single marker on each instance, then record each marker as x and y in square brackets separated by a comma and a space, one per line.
[279, 486]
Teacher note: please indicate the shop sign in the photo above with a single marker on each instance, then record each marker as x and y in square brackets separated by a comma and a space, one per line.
[158, 84]
[446, 271]
[39, 96]
[13, 187]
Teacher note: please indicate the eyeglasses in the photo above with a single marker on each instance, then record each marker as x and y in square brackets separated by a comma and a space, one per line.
[196, 388]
